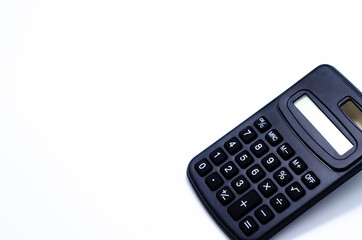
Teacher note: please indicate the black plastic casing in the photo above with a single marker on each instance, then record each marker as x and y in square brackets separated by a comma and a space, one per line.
[328, 89]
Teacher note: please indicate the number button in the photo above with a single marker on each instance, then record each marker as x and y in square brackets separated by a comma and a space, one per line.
[267, 188]
[233, 146]
[255, 173]
[285, 151]
[247, 135]
[240, 184]
[273, 137]
[248, 226]
[214, 181]
[295, 191]
[218, 156]
[298, 165]
[229, 170]
[283, 176]
[270, 162]
[203, 167]
[225, 196]
[262, 124]
[259, 148]
[244, 159]
[264, 214]
[279, 203]
[310, 180]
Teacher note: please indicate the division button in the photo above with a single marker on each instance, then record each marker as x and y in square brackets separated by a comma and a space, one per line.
[248, 226]
[279, 203]
[244, 205]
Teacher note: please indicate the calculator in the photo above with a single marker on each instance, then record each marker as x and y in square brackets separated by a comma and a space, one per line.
[285, 158]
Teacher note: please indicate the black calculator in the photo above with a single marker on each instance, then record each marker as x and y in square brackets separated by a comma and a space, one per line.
[285, 158]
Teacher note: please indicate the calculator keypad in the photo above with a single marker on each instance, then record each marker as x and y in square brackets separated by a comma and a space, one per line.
[264, 214]
[267, 187]
[262, 124]
[279, 203]
[240, 184]
[270, 162]
[214, 181]
[229, 170]
[244, 159]
[254, 172]
[203, 167]
[247, 135]
[218, 156]
[259, 148]
[233, 145]
[244, 205]
[248, 226]
[225, 195]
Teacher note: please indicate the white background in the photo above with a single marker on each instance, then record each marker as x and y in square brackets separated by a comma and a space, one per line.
[104, 103]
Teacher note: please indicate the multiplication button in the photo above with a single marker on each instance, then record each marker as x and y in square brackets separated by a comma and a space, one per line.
[267, 188]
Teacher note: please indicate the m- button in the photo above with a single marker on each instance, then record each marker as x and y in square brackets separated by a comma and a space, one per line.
[285, 151]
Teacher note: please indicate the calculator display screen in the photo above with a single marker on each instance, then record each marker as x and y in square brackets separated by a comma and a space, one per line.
[323, 125]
